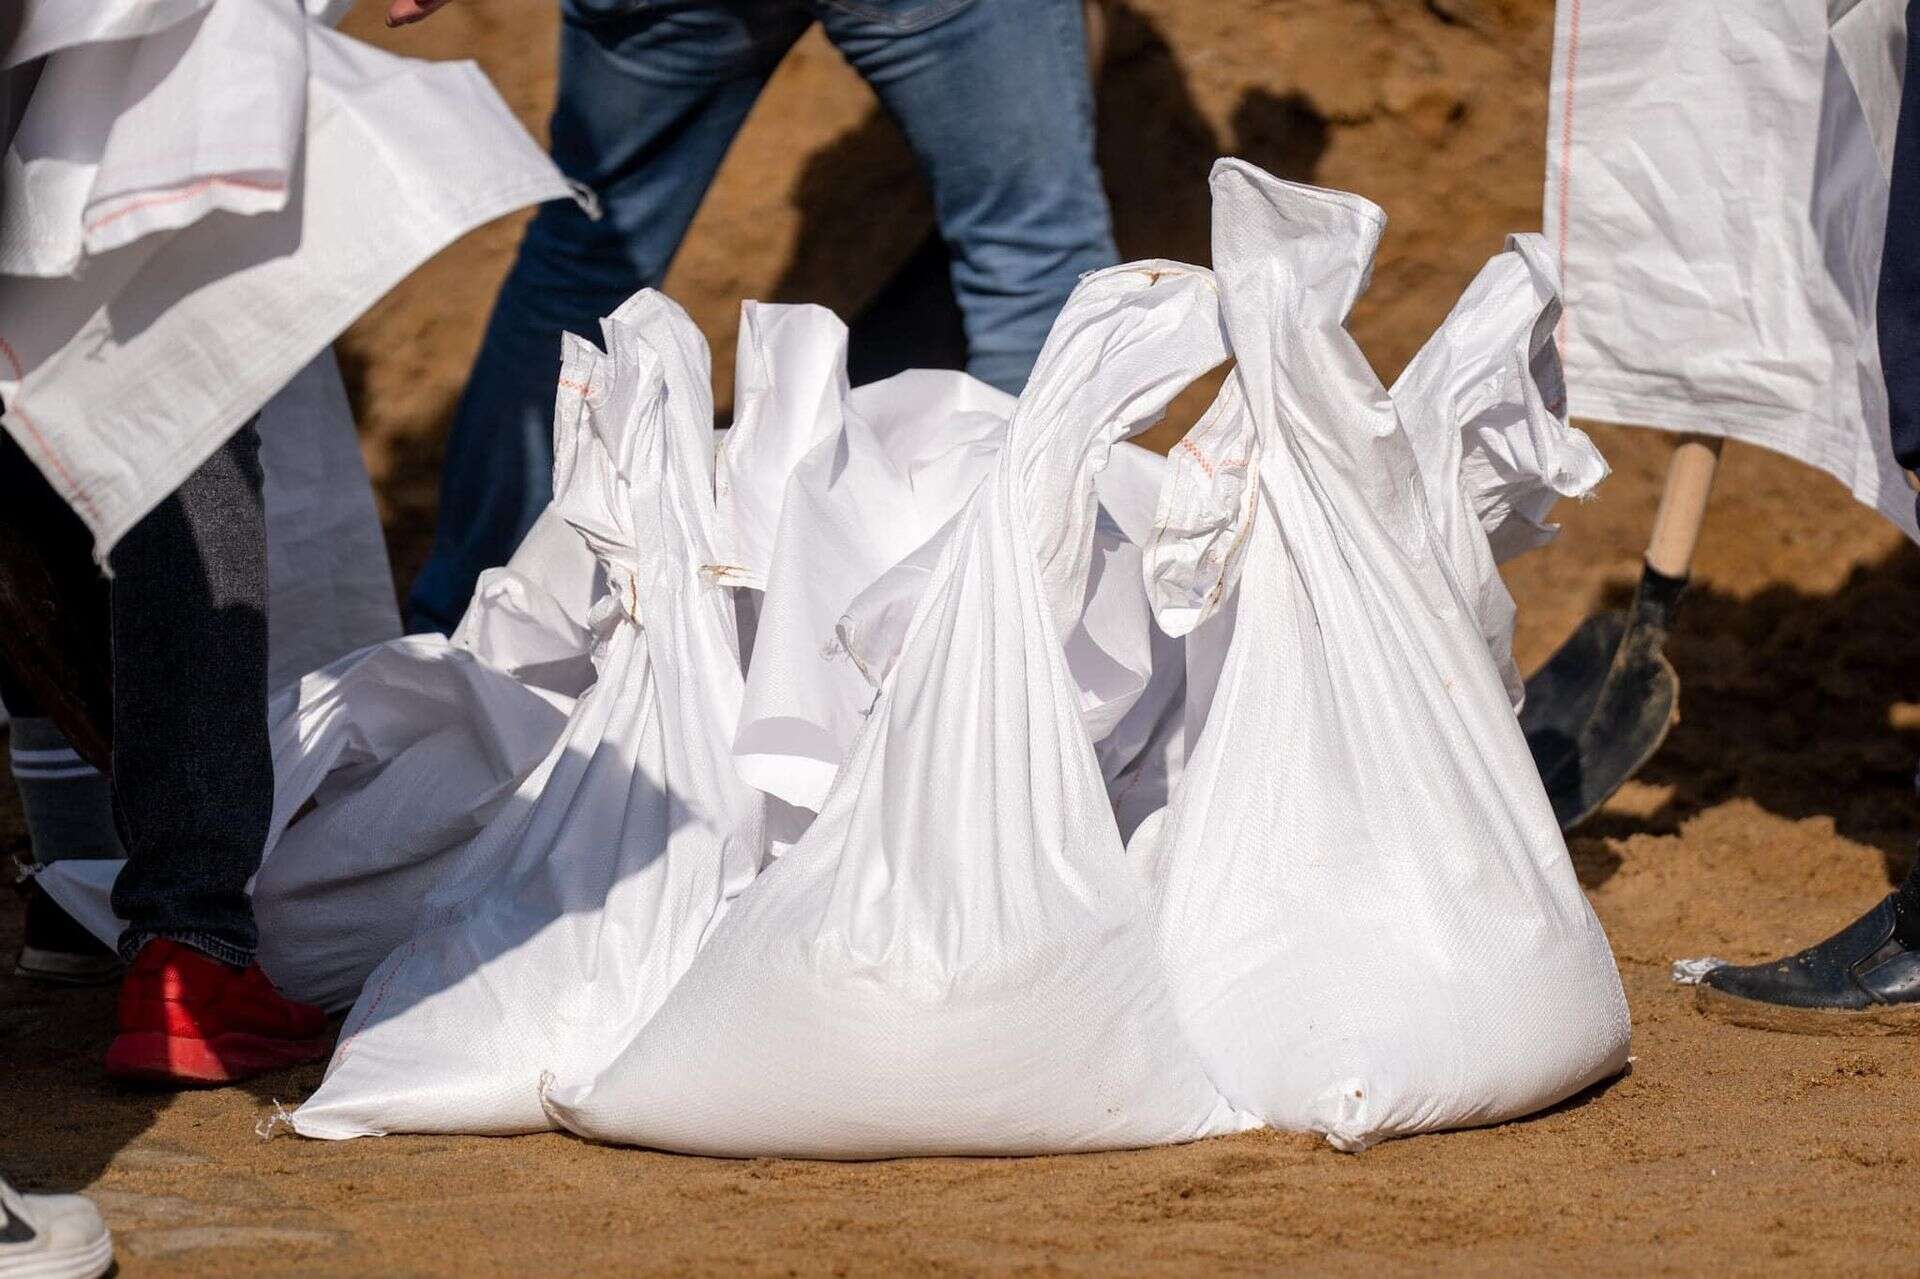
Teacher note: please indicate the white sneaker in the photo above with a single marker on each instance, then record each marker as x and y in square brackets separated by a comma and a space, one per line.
[51, 1237]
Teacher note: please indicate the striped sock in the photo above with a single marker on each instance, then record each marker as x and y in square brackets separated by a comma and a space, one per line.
[68, 802]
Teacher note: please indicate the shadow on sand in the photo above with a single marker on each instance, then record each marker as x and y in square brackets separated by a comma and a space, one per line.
[1807, 705]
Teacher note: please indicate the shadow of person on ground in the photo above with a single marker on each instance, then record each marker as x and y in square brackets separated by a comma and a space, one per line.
[1806, 704]
[66, 1122]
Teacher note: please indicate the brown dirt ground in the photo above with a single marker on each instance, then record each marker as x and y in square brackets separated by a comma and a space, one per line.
[1780, 807]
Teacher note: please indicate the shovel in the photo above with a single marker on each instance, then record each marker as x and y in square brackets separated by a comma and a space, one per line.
[1602, 704]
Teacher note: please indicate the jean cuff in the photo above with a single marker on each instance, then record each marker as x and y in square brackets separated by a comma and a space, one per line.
[206, 943]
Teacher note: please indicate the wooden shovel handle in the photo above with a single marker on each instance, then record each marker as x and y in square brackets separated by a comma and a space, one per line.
[1683, 505]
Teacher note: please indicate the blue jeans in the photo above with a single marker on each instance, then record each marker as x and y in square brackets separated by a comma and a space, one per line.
[993, 97]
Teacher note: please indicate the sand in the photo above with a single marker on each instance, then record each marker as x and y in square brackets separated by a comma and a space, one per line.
[1781, 806]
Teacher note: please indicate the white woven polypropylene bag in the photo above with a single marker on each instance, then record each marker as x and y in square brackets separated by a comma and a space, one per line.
[1718, 201]
[1366, 908]
[954, 958]
[618, 851]
[824, 492]
[1484, 406]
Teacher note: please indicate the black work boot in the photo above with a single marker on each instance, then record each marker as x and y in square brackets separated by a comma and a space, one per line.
[1863, 980]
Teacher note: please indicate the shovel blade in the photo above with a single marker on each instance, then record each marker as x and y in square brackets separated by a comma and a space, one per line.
[1637, 705]
[1561, 695]
[1601, 706]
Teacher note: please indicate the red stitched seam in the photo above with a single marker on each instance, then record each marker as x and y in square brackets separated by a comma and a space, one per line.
[1198, 456]
[379, 995]
[183, 193]
[1566, 150]
[40, 439]
[53, 459]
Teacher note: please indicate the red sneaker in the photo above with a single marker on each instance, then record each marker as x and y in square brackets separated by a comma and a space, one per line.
[187, 1018]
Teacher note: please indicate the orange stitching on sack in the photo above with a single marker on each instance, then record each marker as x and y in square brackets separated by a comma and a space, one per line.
[1198, 456]
[346, 1045]
[568, 384]
[183, 193]
[1566, 151]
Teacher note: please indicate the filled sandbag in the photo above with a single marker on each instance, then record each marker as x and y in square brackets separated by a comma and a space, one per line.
[388, 762]
[605, 868]
[953, 959]
[850, 484]
[825, 491]
[1484, 406]
[1363, 901]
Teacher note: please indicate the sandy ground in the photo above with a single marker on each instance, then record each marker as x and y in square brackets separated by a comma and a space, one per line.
[1781, 805]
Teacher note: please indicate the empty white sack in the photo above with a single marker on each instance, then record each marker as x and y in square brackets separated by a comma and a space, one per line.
[1718, 202]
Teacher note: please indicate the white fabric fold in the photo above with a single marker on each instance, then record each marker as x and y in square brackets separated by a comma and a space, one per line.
[222, 251]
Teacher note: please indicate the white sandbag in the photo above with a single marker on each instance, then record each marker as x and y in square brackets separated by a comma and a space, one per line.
[406, 751]
[885, 468]
[953, 958]
[1365, 906]
[823, 492]
[1716, 189]
[1483, 404]
[120, 379]
[614, 856]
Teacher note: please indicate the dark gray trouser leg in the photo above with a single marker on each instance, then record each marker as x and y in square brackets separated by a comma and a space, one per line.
[192, 765]
[1899, 309]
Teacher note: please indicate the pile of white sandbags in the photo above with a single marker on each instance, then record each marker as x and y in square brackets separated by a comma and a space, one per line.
[924, 771]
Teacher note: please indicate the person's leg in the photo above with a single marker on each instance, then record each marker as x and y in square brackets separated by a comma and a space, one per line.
[1898, 303]
[68, 805]
[995, 100]
[192, 764]
[193, 785]
[1866, 977]
[67, 802]
[650, 99]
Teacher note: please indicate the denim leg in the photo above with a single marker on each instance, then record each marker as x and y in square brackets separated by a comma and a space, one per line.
[650, 98]
[192, 764]
[995, 101]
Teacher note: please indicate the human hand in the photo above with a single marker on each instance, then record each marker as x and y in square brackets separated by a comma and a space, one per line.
[402, 12]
